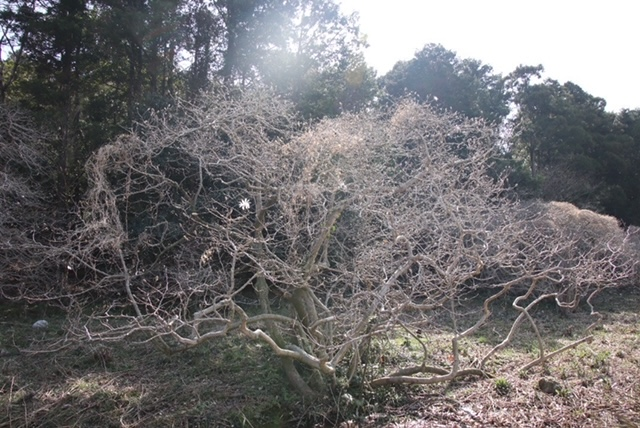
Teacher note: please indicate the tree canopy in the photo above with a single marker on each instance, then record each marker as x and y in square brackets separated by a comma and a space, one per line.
[438, 77]
[572, 146]
[90, 68]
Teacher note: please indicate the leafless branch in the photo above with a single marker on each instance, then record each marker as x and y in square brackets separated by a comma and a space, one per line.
[329, 237]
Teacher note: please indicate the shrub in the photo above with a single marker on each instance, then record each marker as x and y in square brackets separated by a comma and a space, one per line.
[349, 230]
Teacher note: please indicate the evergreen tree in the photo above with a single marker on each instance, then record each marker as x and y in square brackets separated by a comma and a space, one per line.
[438, 77]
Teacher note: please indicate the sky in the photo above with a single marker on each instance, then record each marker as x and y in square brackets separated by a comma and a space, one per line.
[594, 44]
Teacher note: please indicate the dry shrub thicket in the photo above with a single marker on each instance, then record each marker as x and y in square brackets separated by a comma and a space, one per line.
[357, 227]
[25, 231]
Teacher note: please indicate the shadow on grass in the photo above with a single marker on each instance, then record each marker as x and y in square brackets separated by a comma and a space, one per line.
[233, 382]
[228, 383]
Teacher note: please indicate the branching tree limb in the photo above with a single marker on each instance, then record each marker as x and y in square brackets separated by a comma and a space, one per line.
[227, 217]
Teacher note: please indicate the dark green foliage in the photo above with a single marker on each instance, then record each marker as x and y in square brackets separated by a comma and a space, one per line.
[572, 148]
[347, 87]
[621, 161]
[89, 69]
[323, 72]
[438, 77]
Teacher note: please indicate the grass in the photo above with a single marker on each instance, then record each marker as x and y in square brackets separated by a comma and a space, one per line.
[503, 386]
[235, 383]
[222, 384]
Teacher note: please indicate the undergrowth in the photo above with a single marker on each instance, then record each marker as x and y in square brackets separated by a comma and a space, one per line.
[238, 383]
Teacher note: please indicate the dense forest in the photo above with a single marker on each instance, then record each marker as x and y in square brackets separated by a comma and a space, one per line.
[184, 171]
[89, 70]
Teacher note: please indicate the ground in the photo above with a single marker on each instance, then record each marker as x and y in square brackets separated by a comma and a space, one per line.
[237, 383]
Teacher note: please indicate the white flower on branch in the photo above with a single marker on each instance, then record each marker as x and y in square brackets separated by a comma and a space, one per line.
[245, 204]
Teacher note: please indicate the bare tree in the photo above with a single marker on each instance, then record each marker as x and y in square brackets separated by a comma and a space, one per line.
[226, 218]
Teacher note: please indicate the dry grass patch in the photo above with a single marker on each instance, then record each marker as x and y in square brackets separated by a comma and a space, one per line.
[235, 383]
[594, 384]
